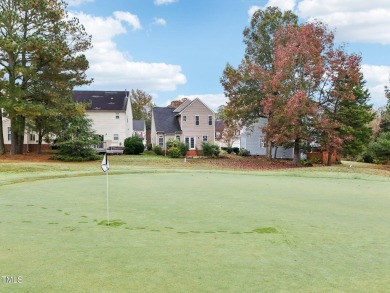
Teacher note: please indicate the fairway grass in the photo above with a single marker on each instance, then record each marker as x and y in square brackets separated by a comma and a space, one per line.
[195, 231]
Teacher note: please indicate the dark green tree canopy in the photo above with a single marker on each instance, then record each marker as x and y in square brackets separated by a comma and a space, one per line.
[41, 60]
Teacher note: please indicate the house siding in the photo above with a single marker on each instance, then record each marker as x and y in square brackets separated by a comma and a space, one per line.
[190, 129]
[106, 124]
[28, 144]
[251, 137]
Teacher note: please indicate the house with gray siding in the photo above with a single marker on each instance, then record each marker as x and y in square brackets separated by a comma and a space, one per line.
[253, 139]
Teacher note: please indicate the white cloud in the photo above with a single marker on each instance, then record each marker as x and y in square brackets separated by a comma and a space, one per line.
[160, 22]
[162, 2]
[131, 19]
[112, 69]
[376, 77]
[211, 100]
[354, 21]
[75, 3]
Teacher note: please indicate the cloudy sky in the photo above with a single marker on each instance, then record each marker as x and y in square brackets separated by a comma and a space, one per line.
[179, 48]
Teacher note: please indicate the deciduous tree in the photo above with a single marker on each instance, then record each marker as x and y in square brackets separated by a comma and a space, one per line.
[241, 87]
[142, 106]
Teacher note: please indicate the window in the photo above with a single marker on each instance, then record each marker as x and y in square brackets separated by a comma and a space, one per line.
[262, 142]
[190, 141]
[178, 137]
[210, 120]
[116, 115]
[184, 118]
[116, 136]
[161, 141]
[9, 133]
[32, 136]
[196, 120]
[204, 137]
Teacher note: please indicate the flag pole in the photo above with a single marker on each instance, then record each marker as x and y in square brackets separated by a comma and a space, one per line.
[105, 168]
[108, 213]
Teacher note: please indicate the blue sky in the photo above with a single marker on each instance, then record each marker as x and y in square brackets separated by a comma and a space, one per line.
[179, 48]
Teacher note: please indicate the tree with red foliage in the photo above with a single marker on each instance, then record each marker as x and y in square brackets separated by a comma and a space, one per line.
[305, 86]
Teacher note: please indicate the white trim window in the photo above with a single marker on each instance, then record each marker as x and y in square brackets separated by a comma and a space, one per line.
[116, 115]
[204, 138]
[178, 137]
[190, 141]
[9, 133]
[161, 141]
[116, 136]
[196, 119]
[210, 120]
[184, 118]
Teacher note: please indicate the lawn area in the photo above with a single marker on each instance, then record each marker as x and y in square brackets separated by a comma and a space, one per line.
[195, 226]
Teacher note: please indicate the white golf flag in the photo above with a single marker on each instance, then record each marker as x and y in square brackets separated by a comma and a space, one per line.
[105, 163]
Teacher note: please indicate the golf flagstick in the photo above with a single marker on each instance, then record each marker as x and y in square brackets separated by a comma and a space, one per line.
[105, 168]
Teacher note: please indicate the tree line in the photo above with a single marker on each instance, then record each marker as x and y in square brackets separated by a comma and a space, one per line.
[41, 61]
[312, 92]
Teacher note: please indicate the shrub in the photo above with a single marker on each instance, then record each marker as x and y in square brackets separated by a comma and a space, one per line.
[75, 151]
[380, 149]
[158, 150]
[174, 143]
[367, 158]
[175, 152]
[236, 150]
[243, 152]
[315, 160]
[133, 146]
[210, 150]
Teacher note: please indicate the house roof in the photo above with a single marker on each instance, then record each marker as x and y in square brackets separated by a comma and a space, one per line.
[186, 104]
[139, 125]
[182, 106]
[102, 100]
[165, 120]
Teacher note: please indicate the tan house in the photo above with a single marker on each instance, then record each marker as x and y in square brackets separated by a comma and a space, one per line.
[193, 122]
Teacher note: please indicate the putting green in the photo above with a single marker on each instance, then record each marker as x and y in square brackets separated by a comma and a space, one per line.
[195, 232]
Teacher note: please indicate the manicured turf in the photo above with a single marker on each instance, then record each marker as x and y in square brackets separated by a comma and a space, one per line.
[196, 231]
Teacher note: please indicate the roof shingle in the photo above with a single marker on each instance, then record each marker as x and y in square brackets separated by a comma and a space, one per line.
[102, 100]
[165, 120]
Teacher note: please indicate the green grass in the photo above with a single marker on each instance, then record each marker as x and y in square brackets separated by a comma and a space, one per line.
[178, 229]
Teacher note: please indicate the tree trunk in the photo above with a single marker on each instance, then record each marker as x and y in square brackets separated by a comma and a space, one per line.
[39, 147]
[2, 146]
[269, 150]
[296, 152]
[329, 160]
[17, 134]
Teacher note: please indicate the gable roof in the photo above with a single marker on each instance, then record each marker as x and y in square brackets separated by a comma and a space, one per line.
[181, 109]
[139, 125]
[165, 120]
[182, 106]
[102, 100]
